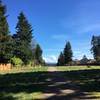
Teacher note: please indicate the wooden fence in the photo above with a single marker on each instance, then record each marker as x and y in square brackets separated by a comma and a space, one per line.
[5, 67]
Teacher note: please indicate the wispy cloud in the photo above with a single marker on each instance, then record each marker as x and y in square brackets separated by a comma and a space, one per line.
[88, 28]
[50, 59]
[81, 24]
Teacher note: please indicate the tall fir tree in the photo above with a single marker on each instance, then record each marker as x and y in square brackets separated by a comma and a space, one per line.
[23, 39]
[67, 53]
[96, 48]
[5, 38]
[4, 28]
[24, 29]
[60, 60]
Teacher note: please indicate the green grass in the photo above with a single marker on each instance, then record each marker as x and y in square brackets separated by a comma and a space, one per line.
[24, 69]
[21, 96]
[87, 78]
[22, 83]
[72, 68]
[29, 83]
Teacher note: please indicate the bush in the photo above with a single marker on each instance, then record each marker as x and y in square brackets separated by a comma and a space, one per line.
[16, 61]
[30, 63]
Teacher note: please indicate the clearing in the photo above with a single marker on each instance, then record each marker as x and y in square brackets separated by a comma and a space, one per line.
[51, 83]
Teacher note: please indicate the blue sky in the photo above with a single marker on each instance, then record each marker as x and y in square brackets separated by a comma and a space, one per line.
[57, 21]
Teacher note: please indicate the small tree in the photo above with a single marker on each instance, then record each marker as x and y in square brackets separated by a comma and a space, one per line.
[60, 60]
[84, 60]
[67, 53]
[16, 61]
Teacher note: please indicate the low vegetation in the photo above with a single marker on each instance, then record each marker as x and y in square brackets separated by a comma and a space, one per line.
[73, 68]
[32, 83]
[24, 69]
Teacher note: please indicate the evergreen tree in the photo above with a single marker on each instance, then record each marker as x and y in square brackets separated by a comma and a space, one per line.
[96, 47]
[60, 60]
[84, 60]
[4, 28]
[24, 30]
[38, 54]
[5, 38]
[67, 53]
[23, 39]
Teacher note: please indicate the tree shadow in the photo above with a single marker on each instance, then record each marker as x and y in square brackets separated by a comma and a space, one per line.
[61, 85]
[5, 97]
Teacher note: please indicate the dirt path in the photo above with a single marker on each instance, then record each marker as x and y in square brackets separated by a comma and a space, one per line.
[52, 69]
[60, 88]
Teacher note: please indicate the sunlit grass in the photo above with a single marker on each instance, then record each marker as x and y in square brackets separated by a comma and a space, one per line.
[72, 68]
[96, 94]
[24, 69]
[22, 96]
[27, 96]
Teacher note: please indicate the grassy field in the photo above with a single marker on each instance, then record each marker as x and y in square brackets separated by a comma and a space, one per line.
[72, 68]
[87, 78]
[31, 83]
[24, 69]
[17, 83]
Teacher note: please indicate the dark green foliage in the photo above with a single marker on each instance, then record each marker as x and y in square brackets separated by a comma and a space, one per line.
[38, 54]
[96, 47]
[21, 50]
[65, 58]
[67, 53]
[24, 29]
[60, 60]
[23, 39]
[6, 49]
[20, 44]
[6, 42]
[4, 29]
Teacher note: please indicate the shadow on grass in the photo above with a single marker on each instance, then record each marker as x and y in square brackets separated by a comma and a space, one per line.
[63, 85]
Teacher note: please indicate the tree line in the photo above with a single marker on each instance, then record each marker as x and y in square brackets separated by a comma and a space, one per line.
[66, 57]
[18, 48]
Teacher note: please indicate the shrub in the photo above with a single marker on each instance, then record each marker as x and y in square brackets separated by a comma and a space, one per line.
[16, 61]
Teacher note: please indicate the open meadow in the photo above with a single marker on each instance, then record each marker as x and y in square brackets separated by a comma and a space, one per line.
[43, 44]
[50, 83]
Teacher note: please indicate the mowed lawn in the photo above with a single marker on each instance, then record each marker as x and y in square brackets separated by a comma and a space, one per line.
[86, 77]
[29, 83]
[21, 83]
